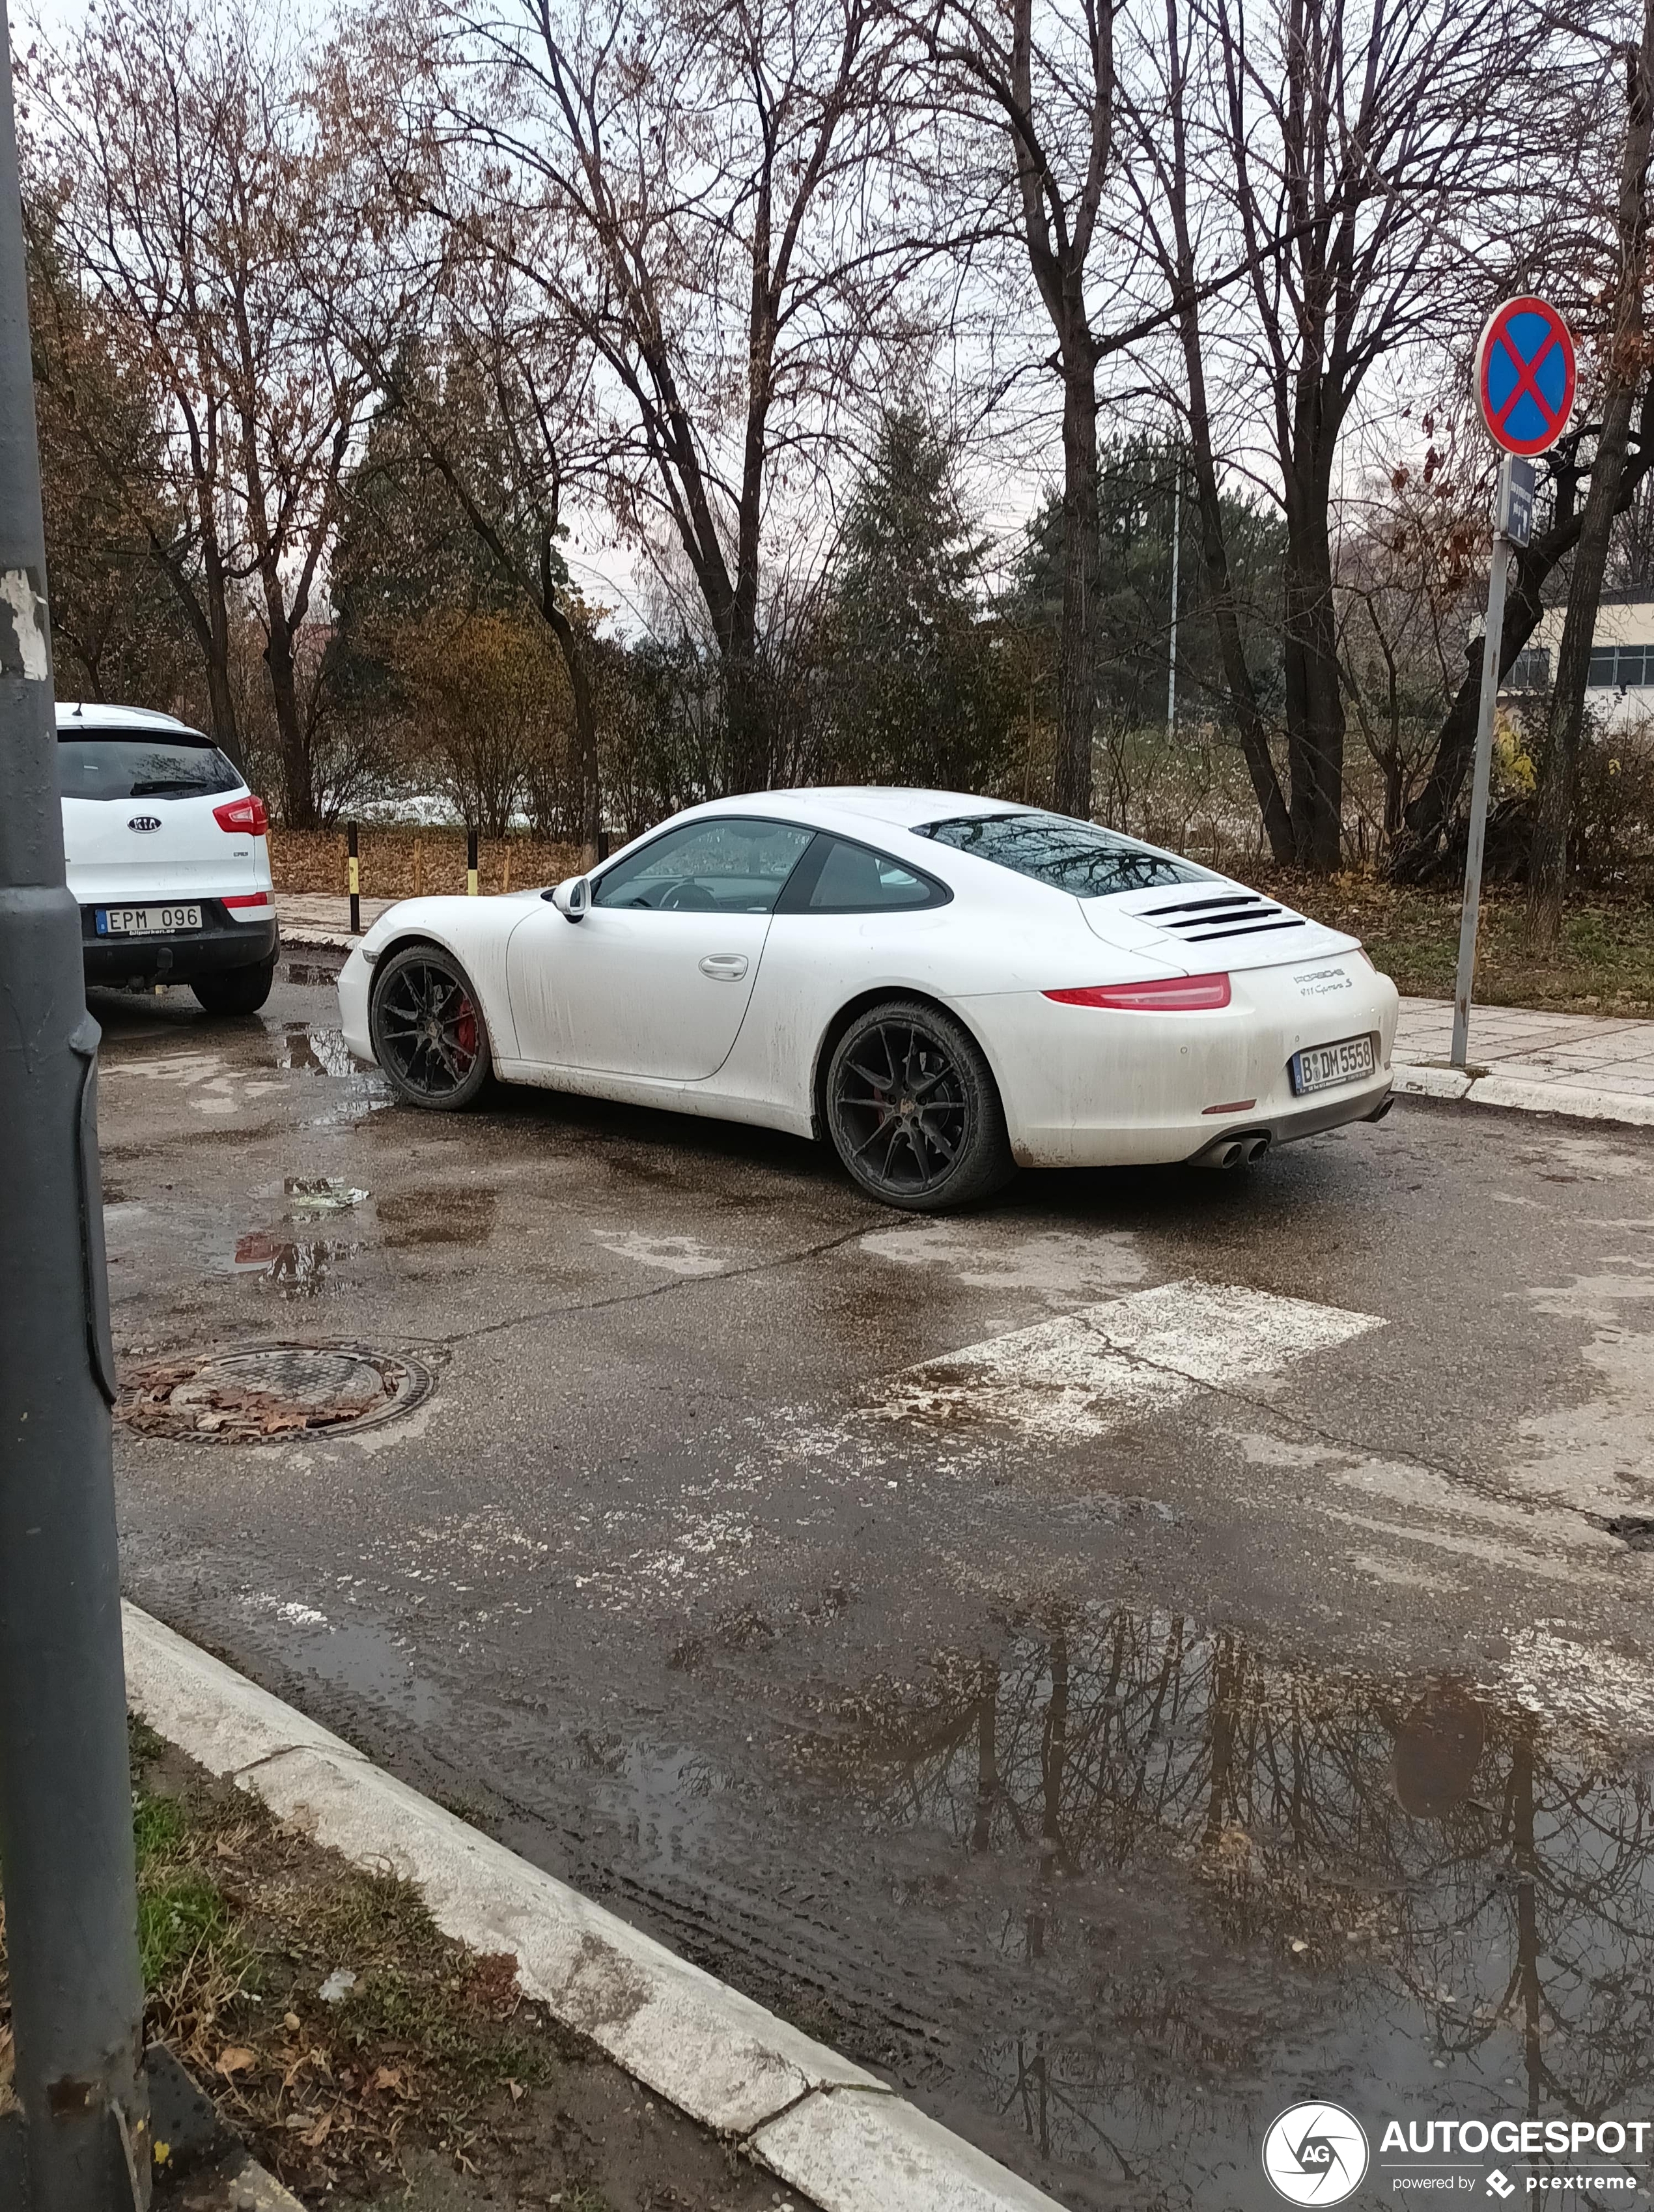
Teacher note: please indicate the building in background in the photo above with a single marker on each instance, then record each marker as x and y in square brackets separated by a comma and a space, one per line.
[1620, 688]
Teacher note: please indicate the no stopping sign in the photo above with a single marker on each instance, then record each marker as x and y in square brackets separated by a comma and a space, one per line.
[1524, 376]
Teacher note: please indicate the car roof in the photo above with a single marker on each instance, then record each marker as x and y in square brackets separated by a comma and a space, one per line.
[98, 715]
[899, 807]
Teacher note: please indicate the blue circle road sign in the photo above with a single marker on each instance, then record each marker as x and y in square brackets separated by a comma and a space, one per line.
[1525, 376]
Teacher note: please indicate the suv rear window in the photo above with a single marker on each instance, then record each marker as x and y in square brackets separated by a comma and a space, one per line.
[134, 764]
[1068, 855]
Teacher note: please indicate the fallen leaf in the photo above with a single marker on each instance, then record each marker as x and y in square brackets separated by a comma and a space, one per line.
[389, 2077]
[516, 2089]
[318, 2134]
[291, 2021]
[237, 2059]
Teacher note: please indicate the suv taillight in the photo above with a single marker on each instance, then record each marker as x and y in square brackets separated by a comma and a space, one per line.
[245, 815]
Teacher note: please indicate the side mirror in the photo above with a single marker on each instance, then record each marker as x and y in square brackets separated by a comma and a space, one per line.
[571, 898]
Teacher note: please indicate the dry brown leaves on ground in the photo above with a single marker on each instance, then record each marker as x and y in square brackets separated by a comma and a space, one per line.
[397, 863]
[242, 1923]
[222, 1409]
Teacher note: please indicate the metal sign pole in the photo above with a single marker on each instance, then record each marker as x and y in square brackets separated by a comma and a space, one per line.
[65, 1789]
[1512, 520]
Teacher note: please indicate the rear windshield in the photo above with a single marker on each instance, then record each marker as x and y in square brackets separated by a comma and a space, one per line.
[133, 764]
[1068, 855]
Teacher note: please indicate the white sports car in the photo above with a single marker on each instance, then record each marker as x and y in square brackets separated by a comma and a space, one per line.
[942, 987]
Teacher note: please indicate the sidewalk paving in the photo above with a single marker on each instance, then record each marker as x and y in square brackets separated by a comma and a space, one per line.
[322, 917]
[1594, 1065]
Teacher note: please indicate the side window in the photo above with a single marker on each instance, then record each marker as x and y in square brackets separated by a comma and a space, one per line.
[841, 877]
[729, 864]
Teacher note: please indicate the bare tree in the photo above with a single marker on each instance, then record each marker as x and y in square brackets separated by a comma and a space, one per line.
[1051, 98]
[1165, 193]
[495, 395]
[690, 188]
[199, 208]
[1357, 157]
[1624, 371]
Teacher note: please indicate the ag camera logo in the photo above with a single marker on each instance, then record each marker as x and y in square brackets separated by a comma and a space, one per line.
[1316, 2154]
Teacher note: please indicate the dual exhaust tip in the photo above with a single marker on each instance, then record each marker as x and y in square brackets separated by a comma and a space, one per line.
[1242, 1152]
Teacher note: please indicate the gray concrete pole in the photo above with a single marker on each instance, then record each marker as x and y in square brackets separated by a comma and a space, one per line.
[1471, 915]
[65, 1795]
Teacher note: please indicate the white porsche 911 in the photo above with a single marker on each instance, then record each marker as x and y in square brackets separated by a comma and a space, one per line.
[942, 987]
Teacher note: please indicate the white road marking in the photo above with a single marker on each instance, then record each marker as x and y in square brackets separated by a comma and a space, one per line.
[1087, 1372]
[210, 1085]
[673, 1255]
[1065, 1267]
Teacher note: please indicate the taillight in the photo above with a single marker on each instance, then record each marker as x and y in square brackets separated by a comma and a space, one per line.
[1172, 994]
[245, 815]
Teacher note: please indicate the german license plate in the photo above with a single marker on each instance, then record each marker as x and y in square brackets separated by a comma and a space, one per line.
[1320, 1066]
[147, 920]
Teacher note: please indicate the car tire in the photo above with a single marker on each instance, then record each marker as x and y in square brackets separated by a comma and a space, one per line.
[425, 1021]
[236, 990]
[912, 1109]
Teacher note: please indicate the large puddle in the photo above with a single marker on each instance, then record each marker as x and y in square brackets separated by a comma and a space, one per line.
[1212, 1886]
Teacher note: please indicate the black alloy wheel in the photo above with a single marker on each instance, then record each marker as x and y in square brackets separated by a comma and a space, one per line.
[912, 1109]
[427, 1029]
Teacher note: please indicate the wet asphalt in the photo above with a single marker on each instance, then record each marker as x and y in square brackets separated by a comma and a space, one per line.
[1105, 1782]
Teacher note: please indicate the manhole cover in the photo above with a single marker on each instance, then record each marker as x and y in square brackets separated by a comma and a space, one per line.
[273, 1390]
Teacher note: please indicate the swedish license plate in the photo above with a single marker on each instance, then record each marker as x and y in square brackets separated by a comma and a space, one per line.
[1320, 1066]
[147, 920]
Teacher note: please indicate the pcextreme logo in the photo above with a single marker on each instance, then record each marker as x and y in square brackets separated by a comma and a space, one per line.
[1315, 2153]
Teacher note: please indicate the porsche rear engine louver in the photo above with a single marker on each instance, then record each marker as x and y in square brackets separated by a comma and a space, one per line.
[1238, 913]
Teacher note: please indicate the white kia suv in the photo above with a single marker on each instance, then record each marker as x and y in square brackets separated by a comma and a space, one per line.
[167, 857]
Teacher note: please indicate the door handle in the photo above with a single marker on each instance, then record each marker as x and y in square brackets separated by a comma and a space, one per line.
[724, 967]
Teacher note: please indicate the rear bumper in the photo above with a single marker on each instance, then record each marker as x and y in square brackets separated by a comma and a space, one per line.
[1366, 1101]
[219, 945]
[1085, 1088]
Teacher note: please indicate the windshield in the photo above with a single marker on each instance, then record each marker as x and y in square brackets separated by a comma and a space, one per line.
[132, 764]
[1068, 855]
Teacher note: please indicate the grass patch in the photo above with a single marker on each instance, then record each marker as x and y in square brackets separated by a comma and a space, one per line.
[184, 1922]
[241, 1922]
[1604, 963]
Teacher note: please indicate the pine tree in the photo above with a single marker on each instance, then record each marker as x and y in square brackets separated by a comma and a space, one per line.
[916, 695]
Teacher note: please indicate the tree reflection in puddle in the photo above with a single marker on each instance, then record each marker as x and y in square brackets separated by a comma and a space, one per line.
[297, 1267]
[1239, 1884]
[313, 1050]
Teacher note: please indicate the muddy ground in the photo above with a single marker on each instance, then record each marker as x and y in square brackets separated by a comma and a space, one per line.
[1232, 1679]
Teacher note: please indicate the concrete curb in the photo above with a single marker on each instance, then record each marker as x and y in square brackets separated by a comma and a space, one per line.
[824, 2126]
[297, 939]
[252, 2190]
[1420, 1080]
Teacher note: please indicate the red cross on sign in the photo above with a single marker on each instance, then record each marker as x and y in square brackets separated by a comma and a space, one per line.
[1524, 377]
